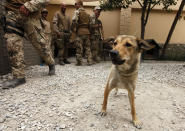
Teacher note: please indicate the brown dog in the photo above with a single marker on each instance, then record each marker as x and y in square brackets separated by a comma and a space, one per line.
[124, 71]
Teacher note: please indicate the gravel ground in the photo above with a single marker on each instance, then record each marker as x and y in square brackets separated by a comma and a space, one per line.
[71, 100]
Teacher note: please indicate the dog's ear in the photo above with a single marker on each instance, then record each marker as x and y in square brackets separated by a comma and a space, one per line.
[144, 45]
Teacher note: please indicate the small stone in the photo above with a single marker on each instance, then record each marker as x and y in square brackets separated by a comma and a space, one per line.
[50, 115]
[125, 125]
[114, 126]
[92, 125]
[172, 122]
[86, 106]
[63, 126]
[23, 126]
[174, 104]
[2, 127]
[68, 114]
[39, 127]
[2, 120]
[107, 125]
[70, 129]
[58, 128]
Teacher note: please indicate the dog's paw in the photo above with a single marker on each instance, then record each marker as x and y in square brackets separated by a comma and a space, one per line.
[137, 124]
[103, 113]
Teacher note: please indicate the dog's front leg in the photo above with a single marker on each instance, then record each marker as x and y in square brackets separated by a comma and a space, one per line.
[135, 120]
[106, 95]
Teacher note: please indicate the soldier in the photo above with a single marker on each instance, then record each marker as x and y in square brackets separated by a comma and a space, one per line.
[81, 25]
[24, 16]
[61, 29]
[96, 34]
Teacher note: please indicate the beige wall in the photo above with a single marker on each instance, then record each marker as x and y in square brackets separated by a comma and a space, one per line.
[158, 26]
[159, 7]
[71, 2]
[110, 20]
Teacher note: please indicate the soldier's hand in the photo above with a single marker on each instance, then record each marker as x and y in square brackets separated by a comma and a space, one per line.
[96, 26]
[58, 34]
[102, 38]
[24, 10]
[99, 25]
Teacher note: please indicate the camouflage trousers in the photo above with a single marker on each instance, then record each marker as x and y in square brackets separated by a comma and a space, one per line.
[16, 54]
[52, 46]
[96, 47]
[83, 44]
[39, 40]
[62, 45]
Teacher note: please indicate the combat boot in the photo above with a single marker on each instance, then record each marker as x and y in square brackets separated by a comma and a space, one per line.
[66, 61]
[98, 59]
[13, 83]
[79, 63]
[61, 63]
[51, 70]
[89, 63]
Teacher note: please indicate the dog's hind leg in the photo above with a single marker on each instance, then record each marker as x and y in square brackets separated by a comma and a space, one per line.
[135, 120]
[106, 95]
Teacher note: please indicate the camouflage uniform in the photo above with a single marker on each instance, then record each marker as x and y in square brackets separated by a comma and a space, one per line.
[96, 38]
[81, 21]
[17, 24]
[61, 25]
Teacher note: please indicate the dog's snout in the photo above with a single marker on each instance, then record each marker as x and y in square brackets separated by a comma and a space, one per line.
[114, 53]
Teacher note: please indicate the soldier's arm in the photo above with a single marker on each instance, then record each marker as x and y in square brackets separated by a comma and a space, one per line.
[35, 5]
[75, 16]
[92, 22]
[74, 23]
[101, 28]
[55, 23]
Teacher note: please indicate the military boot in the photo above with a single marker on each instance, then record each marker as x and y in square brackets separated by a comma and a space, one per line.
[61, 63]
[78, 63]
[51, 70]
[90, 62]
[97, 60]
[66, 61]
[13, 83]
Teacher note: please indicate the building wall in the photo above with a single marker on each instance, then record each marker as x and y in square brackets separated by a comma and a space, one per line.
[125, 21]
[30, 54]
[158, 26]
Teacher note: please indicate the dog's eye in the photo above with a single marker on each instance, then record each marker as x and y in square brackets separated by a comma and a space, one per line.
[128, 44]
[115, 43]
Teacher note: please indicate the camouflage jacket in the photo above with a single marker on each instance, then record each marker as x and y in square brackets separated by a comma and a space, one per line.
[31, 5]
[81, 22]
[19, 23]
[61, 23]
[93, 26]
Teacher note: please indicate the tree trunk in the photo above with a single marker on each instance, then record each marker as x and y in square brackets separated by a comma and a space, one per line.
[148, 12]
[172, 28]
[143, 18]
